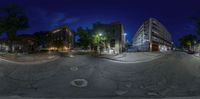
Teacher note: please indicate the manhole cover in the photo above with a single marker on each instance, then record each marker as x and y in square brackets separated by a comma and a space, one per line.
[121, 92]
[128, 84]
[74, 68]
[50, 57]
[152, 94]
[79, 83]
[71, 56]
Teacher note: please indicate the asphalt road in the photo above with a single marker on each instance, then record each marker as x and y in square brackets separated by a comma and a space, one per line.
[174, 75]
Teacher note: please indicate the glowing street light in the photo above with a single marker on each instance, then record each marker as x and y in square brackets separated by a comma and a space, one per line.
[124, 34]
[99, 41]
[148, 40]
[100, 34]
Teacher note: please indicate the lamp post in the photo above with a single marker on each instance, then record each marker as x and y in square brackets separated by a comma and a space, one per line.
[124, 42]
[99, 42]
[194, 44]
[172, 45]
[125, 34]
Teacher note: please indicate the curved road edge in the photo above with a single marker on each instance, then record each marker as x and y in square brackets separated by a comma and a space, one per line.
[135, 61]
[29, 62]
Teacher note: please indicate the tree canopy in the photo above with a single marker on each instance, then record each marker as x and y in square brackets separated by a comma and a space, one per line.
[187, 40]
[12, 19]
[84, 37]
[198, 26]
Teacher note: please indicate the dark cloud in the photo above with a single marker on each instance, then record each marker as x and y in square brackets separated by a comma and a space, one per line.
[43, 20]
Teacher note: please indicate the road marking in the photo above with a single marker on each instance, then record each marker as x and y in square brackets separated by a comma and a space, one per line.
[74, 68]
[121, 92]
[79, 83]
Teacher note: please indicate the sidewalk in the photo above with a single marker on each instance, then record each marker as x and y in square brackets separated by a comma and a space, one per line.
[197, 55]
[28, 58]
[135, 57]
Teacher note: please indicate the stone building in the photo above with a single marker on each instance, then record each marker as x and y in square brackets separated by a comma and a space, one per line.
[61, 39]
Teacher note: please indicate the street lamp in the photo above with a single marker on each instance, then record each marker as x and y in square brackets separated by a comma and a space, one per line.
[194, 43]
[124, 42]
[172, 47]
[125, 34]
[100, 34]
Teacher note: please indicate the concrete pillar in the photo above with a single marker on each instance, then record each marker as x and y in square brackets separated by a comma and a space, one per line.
[150, 41]
[150, 46]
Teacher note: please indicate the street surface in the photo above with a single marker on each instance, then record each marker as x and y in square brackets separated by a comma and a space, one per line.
[173, 75]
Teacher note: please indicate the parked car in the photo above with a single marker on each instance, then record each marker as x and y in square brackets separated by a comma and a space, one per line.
[190, 52]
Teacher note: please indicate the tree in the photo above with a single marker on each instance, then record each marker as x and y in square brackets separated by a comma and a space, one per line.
[1, 24]
[41, 38]
[197, 22]
[84, 38]
[96, 42]
[198, 26]
[13, 19]
[99, 41]
[95, 39]
[187, 41]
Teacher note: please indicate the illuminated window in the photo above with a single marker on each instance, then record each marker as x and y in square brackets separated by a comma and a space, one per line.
[55, 31]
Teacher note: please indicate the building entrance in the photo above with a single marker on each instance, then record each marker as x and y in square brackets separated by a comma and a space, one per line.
[155, 47]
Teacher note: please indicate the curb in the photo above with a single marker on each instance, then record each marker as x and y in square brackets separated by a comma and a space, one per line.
[128, 62]
[24, 63]
[195, 56]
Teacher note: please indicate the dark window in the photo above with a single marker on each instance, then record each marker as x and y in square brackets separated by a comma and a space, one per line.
[112, 43]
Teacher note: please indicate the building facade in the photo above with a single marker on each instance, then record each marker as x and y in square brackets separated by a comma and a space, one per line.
[27, 43]
[60, 39]
[4, 45]
[152, 36]
[24, 43]
[115, 34]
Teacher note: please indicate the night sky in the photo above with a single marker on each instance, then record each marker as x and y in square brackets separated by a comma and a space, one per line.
[44, 15]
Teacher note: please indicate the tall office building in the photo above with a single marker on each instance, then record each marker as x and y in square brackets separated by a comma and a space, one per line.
[152, 36]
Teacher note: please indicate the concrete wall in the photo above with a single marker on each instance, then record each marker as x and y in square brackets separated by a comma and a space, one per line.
[152, 32]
